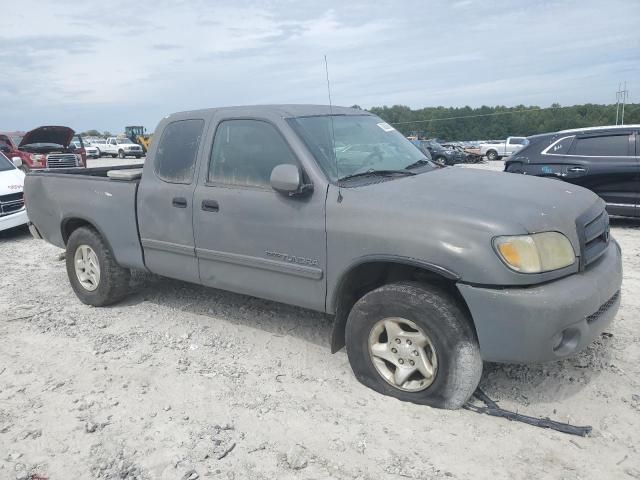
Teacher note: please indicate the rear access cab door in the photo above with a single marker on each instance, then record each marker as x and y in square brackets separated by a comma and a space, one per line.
[605, 162]
[165, 198]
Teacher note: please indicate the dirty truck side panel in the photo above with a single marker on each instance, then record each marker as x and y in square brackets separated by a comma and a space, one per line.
[165, 208]
[53, 199]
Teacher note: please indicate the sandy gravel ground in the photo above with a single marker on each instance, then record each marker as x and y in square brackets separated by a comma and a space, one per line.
[183, 382]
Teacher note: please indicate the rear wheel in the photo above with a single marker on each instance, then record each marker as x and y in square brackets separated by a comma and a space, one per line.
[94, 275]
[414, 342]
[121, 154]
[98, 153]
[441, 161]
[492, 155]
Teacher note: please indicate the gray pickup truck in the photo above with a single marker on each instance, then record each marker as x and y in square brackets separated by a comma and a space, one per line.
[427, 271]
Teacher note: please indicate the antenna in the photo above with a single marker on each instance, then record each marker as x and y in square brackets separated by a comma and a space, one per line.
[333, 132]
[621, 96]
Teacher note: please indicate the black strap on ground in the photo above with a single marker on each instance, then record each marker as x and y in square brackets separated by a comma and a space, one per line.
[492, 408]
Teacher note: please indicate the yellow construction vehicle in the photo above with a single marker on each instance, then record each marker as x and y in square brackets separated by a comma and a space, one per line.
[139, 135]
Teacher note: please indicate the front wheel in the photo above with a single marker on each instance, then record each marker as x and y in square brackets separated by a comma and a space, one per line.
[98, 153]
[94, 275]
[416, 343]
[121, 154]
[442, 161]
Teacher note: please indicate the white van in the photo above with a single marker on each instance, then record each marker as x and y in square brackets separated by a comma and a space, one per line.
[12, 210]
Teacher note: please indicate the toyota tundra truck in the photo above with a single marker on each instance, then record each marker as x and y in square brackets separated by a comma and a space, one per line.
[427, 271]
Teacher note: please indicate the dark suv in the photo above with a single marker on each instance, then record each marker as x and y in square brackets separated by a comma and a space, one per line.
[438, 153]
[605, 160]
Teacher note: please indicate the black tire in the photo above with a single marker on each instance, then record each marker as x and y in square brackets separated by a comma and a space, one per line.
[114, 155]
[113, 284]
[25, 168]
[121, 154]
[438, 314]
[441, 161]
[99, 154]
[492, 155]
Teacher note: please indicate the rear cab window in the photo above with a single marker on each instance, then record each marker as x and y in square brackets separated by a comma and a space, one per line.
[177, 150]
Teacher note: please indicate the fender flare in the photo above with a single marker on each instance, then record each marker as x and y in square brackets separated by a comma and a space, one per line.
[340, 316]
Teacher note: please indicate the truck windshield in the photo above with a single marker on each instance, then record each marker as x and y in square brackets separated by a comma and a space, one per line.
[346, 145]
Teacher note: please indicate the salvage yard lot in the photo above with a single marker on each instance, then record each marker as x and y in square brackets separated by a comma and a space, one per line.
[181, 378]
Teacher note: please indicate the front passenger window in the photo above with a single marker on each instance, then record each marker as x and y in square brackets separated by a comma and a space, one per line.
[245, 152]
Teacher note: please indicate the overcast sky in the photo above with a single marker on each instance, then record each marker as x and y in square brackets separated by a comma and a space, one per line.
[117, 63]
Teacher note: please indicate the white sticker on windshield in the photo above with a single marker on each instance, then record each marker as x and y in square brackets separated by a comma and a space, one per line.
[386, 127]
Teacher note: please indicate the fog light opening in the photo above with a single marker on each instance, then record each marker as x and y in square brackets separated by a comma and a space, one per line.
[566, 341]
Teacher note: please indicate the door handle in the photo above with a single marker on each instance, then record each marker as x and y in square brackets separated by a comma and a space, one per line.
[576, 170]
[210, 206]
[179, 202]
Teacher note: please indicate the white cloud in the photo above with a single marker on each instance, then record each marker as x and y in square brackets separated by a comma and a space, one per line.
[104, 65]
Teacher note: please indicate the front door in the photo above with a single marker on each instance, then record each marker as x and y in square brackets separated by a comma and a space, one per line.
[249, 238]
[606, 164]
[165, 202]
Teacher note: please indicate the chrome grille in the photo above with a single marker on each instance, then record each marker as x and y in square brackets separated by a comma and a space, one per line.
[12, 203]
[593, 230]
[603, 308]
[61, 160]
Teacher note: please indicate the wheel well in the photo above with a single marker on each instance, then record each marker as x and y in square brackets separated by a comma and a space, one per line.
[72, 224]
[368, 276]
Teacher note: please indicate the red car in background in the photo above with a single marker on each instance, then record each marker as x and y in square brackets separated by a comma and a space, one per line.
[44, 147]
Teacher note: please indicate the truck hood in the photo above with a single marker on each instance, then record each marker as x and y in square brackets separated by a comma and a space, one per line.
[48, 134]
[11, 181]
[497, 201]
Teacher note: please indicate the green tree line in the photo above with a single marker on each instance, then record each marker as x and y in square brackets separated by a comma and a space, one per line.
[499, 122]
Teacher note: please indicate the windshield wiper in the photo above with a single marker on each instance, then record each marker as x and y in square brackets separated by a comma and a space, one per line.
[382, 173]
[419, 163]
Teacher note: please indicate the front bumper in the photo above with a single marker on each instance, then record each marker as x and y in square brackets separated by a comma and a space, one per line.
[550, 321]
[13, 220]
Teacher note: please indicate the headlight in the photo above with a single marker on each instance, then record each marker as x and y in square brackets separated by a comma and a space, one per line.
[536, 253]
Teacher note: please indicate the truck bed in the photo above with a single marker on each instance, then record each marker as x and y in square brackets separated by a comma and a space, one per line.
[57, 200]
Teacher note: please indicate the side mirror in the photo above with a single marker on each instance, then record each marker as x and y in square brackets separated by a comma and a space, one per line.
[17, 162]
[286, 179]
